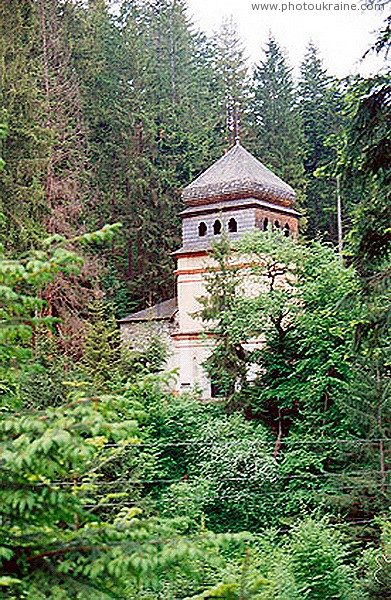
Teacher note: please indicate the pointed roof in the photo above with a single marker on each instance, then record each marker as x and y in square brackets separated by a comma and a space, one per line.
[238, 174]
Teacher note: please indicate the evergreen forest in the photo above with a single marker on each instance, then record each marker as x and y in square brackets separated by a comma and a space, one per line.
[111, 486]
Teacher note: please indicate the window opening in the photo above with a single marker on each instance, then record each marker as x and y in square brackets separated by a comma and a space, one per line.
[217, 227]
[277, 224]
[216, 390]
[202, 229]
[265, 224]
[286, 230]
[232, 225]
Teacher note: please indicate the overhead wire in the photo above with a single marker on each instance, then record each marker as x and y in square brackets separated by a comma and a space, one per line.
[204, 498]
[189, 479]
[261, 442]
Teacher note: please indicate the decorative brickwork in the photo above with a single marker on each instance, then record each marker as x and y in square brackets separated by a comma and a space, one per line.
[273, 216]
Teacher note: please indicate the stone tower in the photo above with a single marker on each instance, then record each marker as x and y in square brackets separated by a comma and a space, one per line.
[236, 194]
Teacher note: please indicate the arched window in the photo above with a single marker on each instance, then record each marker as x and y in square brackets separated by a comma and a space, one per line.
[202, 229]
[286, 230]
[216, 389]
[277, 224]
[232, 225]
[265, 224]
[217, 227]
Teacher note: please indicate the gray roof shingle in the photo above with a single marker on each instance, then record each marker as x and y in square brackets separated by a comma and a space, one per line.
[164, 311]
[235, 175]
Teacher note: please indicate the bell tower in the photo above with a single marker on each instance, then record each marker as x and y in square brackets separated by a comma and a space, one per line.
[234, 195]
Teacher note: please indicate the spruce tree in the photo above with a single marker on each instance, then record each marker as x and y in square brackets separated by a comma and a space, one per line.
[231, 71]
[26, 148]
[366, 170]
[320, 109]
[276, 122]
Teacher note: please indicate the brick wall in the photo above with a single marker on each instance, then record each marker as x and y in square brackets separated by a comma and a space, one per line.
[261, 214]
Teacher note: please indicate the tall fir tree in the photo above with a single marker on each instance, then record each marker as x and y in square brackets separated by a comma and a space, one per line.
[27, 146]
[232, 80]
[320, 109]
[278, 139]
[45, 183]
[161, 130]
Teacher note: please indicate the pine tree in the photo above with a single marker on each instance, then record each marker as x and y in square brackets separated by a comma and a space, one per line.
[277, 125]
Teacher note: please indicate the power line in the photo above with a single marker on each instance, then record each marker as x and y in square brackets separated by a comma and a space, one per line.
[189, 479]
[260, 442]
[204, 498]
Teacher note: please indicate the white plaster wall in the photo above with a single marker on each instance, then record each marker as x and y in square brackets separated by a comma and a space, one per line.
[193, 349]
[191, 286]
[192, 375]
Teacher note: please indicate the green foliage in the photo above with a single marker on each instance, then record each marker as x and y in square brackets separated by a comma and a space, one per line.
[367, 163]
[320, 562]
[226, 365]
[3, 135]
[375, 562]
[305, 380]
[50, 460]
[53, 530]
[106, 116]
[150, 359]
[41, 382]
[102, 347]
[300, 311]
[20, 306]
[232, 81]
[21, 309]
[320, 110]
[313, 561]
[278, 139]
[227, 472]
[26, 147]
[58, 538]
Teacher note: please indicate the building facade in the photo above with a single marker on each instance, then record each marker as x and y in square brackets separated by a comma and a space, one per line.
[233, 196]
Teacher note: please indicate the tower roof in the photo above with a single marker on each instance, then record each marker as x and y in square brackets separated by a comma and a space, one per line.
[236, 175]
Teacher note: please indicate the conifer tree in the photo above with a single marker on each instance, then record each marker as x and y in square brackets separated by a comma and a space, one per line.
[167, 129]
[102, 346]
[320, 109]
[27, 145]
[366, 162]
[277, 125]
[231, 70]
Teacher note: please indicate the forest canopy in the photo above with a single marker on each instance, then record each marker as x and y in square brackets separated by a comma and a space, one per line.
[112, 486]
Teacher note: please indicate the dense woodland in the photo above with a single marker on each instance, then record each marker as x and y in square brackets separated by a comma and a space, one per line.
[111, 487]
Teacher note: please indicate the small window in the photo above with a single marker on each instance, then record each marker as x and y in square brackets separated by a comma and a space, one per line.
[277, 224]
[217, 227]
[232, 225]
[265, 224]
[202, 229]
[286, 230]
[215, 390]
